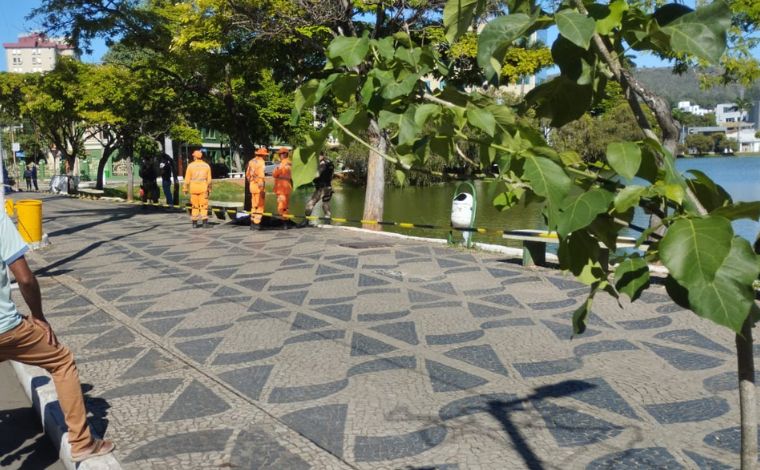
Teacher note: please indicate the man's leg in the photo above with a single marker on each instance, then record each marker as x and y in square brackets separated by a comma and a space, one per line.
[203, 206]
[257, 206]
[195, 203]
[326, 198]
[168, 192]
[27, 343]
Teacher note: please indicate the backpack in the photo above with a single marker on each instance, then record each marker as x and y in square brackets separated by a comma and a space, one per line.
[27, 173]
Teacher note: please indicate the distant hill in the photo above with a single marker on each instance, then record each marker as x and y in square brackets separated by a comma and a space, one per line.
[685, 87]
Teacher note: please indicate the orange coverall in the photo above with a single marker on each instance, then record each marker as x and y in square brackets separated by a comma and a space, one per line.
[198, 184]
[283, 185]
[255, 176]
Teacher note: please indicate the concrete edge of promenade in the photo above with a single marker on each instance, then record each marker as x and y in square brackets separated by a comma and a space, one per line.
[39, 388]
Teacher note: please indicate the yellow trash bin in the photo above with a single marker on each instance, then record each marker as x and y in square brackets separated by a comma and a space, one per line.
[29, 215]
[9, 207]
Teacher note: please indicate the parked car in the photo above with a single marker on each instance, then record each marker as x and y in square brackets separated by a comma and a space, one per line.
[269, 168]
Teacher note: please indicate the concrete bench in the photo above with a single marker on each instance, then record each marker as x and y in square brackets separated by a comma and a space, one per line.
[235, 175]
[221, 209]
[534, 245]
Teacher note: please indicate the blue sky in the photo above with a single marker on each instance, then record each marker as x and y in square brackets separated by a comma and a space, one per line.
[12, 23]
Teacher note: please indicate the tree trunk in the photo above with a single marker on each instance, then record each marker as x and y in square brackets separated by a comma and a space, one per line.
[128, 148]
[747, 408]
[375, 192]
[107, 152]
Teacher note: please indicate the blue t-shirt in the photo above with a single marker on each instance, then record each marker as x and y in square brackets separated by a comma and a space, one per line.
[12, 247]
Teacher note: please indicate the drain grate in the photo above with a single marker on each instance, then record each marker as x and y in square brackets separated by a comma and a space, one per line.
[365, 245]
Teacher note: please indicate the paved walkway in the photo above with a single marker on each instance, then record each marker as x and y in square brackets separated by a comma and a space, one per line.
[23, 445]
[330, 348]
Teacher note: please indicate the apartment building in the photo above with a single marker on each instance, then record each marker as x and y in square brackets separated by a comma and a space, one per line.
[35, 52]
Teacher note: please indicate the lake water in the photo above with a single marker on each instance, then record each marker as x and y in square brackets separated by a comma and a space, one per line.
[740, 176]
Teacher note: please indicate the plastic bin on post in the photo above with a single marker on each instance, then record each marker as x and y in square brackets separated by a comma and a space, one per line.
[29, 216]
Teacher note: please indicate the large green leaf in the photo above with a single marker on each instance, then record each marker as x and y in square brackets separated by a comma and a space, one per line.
[579, 254]
[496, 36]
[350, 50]
[701, 33]
[547, 179]
[709, 194]
[612, 20]
[305, 164]
[345, 85]
[458, 15]
[624, 158]
[424, 112]
[629, 197]
[739, 210]
[481, 119]
[404, 87]
[580, 315]
[576, 27]
[694, 249]
[583, 210]
[632, 276]
[561, 99]
[728, 297]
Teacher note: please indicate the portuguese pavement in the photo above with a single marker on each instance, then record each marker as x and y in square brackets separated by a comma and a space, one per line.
[328, 348]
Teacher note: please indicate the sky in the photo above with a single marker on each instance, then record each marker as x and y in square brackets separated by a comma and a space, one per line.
[13, 23]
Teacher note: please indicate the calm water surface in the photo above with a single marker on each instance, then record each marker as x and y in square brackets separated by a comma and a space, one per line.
[740, 176]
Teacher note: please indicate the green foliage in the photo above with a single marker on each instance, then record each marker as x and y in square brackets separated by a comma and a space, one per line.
[586, 203]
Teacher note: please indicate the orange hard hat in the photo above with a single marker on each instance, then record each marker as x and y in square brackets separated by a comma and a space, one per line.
[197, 154]
[261, 152]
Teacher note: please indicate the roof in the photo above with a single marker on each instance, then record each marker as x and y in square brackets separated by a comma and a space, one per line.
[37, 40]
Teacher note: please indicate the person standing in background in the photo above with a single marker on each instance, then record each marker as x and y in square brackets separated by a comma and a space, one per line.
[255, 176]
[283, 184]
[166, 168]
[198, 184]
[34, 167]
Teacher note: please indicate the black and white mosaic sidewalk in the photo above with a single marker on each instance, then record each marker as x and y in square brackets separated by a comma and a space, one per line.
[322, 349]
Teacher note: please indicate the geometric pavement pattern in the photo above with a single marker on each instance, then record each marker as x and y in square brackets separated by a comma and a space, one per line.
[332, 348]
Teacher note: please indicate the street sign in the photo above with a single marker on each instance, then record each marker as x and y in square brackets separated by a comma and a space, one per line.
[15, 146]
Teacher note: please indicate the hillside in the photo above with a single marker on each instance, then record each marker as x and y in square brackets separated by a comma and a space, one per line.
[686, 87]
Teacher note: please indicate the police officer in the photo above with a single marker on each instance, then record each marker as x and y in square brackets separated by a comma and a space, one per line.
[322, 188]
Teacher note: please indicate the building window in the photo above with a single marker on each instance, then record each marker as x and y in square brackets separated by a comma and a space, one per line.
[16, 52]
[17, 61]
[36, 60]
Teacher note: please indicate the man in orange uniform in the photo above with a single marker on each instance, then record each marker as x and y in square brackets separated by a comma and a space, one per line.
[254, 174]
[283, 184]
[198, 184]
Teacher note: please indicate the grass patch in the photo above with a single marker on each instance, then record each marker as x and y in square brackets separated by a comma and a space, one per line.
[228, 191]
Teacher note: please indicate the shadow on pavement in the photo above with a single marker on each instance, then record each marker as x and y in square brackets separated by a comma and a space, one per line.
[17, 427]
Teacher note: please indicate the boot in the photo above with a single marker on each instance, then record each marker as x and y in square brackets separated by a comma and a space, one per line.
[255, 227]
[303, 223]
[195, 224]
[205, 224]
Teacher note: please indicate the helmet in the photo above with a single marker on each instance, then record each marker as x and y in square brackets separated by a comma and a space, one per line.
[261, 151]
[197, 154]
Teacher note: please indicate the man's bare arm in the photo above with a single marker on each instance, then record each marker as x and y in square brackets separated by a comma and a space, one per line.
[30, 290]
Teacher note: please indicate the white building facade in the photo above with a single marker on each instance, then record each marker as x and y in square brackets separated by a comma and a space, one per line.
[34, 53]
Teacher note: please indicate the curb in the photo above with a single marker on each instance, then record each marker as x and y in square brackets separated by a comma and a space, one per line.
[40, 390]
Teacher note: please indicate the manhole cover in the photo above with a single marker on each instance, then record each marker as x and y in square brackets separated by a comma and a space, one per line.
[365, 245]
